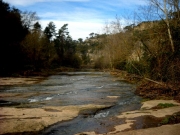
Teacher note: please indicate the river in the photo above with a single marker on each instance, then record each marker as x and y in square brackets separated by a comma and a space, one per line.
[77, 88]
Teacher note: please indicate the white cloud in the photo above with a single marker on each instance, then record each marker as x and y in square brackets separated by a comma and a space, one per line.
[81, 21]
[83, 18]
[31, 2]
[22, 2]
[122, 3]
[99, 3]
[78, 14]
[77, 29]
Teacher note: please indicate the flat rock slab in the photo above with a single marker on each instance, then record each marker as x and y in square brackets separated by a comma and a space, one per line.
[163, 130]
[153, 103]
[19, 80]
[14, 120]
[146, 110]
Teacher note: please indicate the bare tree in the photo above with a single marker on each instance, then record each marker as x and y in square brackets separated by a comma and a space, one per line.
[168, 25]
[116, 45]
[163, 9]
[29, 19]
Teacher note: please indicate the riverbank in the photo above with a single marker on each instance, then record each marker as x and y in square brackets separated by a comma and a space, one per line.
[149, 89]
[22, 119]
[153, 121]
[41, 72]
[32, 120]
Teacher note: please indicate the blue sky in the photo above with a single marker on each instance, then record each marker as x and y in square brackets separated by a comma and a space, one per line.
[82, 16]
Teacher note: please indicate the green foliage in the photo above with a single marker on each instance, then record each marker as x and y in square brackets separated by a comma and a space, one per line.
[165, 121]
[66, 49]
[137, 67]
[82, 49]
[173, 119]
[165, 105]
[37, 27]
[72, 61]
[145, 50]
[28, 48]
[50, 31]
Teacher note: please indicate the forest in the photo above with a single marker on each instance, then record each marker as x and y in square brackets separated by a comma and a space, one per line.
[148, 47]
[26, 48]
[125, 80]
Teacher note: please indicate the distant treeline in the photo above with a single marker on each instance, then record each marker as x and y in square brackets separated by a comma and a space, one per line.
[24, 46]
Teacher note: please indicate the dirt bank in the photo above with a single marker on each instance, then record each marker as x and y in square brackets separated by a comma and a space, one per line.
[151, 89]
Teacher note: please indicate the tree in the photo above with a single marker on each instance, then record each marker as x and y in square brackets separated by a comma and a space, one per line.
[11, 26]
[116, 45]
[159, 38]
[80, 40]
[12, 33]
[37, 26]
[60, 40]
[163, 9]
[38, 51]
[66, 48]
[29, 19]
[91, 35]
[50, 31]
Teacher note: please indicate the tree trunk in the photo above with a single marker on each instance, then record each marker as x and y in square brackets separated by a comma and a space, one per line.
[168, 26]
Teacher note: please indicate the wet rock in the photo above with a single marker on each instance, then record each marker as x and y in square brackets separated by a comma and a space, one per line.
[4, 103]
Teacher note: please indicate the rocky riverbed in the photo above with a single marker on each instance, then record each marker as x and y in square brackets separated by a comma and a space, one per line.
[82, 103]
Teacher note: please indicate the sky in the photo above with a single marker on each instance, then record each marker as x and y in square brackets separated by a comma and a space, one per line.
[82, 16]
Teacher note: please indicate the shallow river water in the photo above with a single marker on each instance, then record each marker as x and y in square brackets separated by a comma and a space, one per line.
[77, 88]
